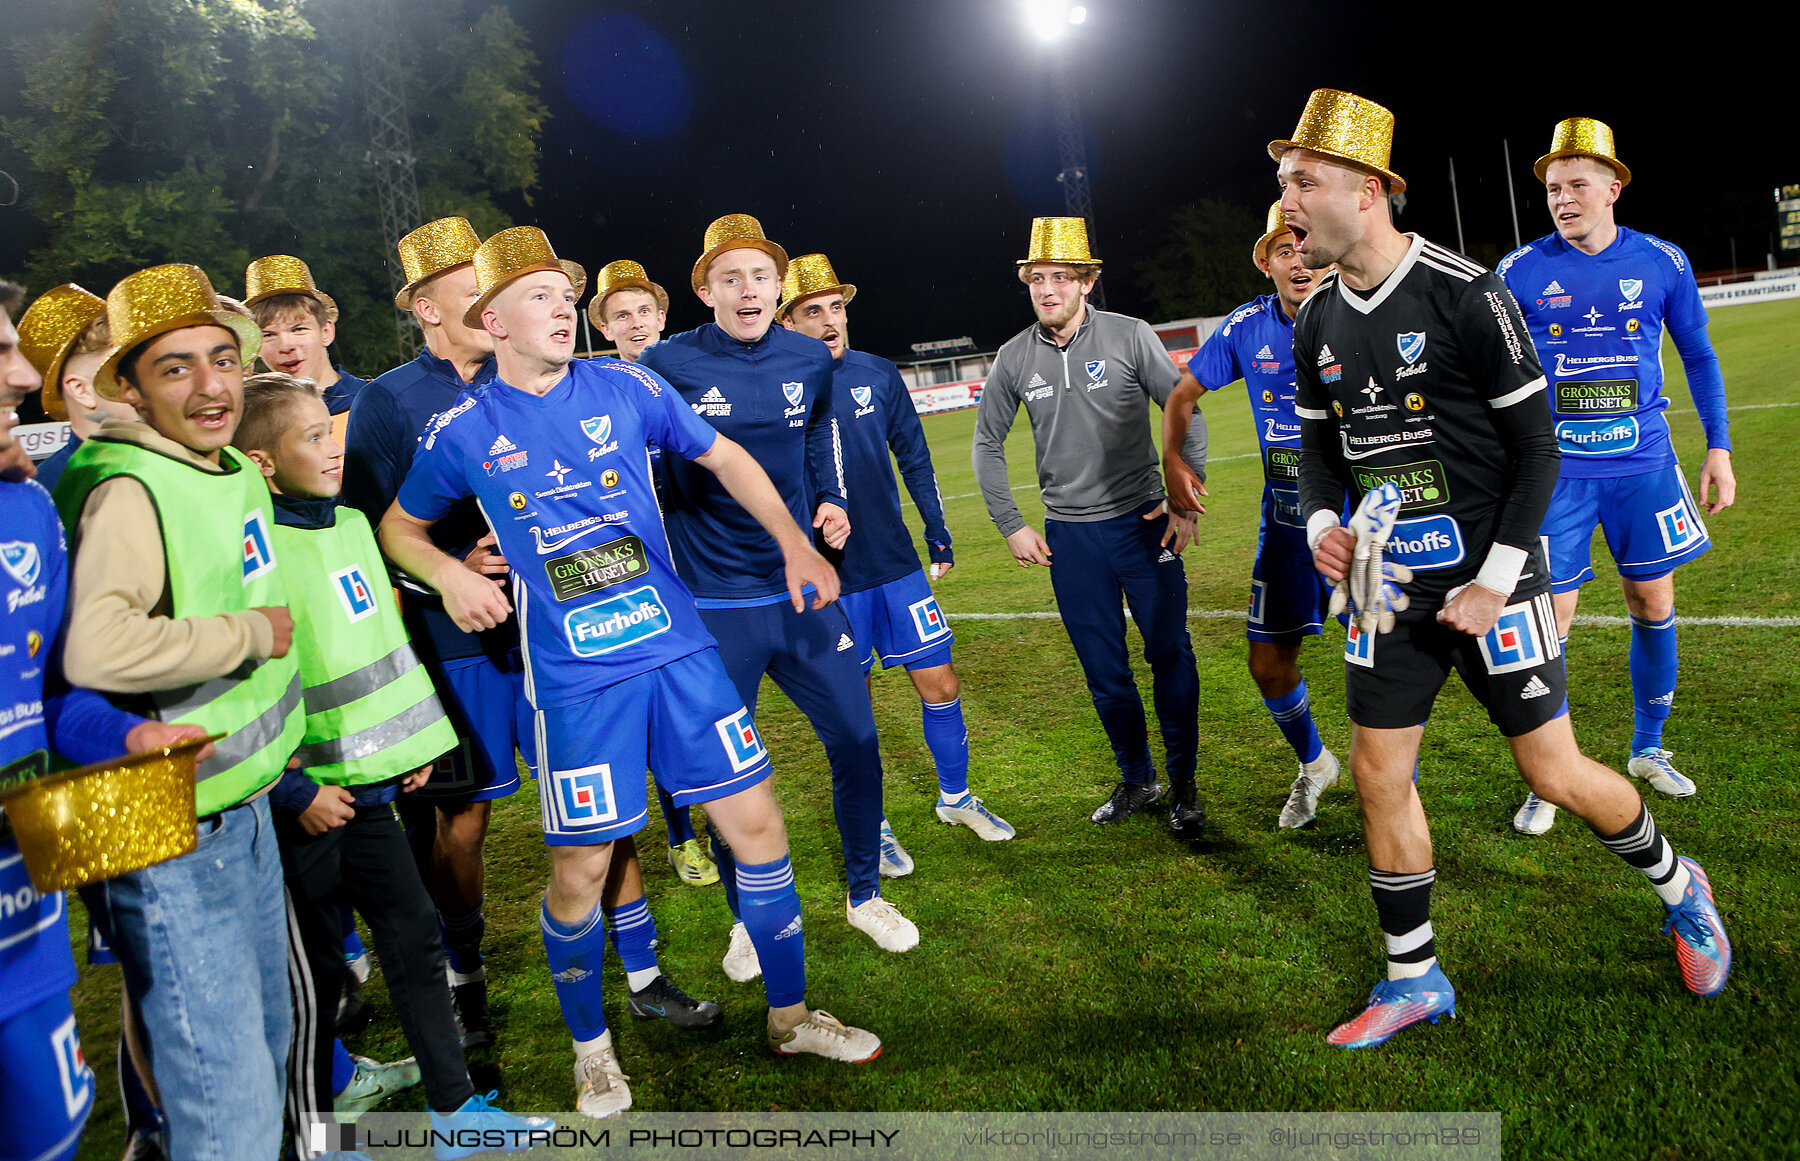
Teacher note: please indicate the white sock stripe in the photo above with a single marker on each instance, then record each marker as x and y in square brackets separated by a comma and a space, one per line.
[765, 881]
[1664, 866]
[1638, 840]
[941, 705]
[1411, 941]
[634, 917]
[1288, 715]
[587, 924]
[1666, 623]
[1399, 881]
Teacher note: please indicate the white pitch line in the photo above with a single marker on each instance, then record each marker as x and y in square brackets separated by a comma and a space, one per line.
[1580, 619]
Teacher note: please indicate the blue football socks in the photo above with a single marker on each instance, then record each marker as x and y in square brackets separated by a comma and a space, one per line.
[947, 737]
[1652, 680]
[575, 951]
[1293, 716]
[771, 914]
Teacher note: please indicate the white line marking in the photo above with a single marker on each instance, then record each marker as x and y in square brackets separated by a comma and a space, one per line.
[1580, 619]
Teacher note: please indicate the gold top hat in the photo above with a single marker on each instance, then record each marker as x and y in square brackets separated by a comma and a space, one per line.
[98, 822]
[810, 274]
[736, 232]
[49, 331]
[1582, 137]
[1347, 128]
[283, 274]
[1063, 240]
[1274, 228]
[161, 299]
[623, 274]
[432, 249]
[513, 252]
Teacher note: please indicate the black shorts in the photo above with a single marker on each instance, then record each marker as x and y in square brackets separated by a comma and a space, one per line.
[1515, 671]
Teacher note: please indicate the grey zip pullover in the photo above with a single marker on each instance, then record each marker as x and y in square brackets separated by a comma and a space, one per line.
[1090, 417]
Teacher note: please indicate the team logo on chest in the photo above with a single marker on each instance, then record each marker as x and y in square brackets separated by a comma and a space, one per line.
[793, 391]
[259, 557]
[599, 429]
[21, 560]
[1632, 289]
[862, 395]
[353, 592]
[1096, 369]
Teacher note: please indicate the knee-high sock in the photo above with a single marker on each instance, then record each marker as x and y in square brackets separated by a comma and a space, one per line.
[681, 827]
[343, 1069]
[1293, 717]
[462, 934]
[771, 914]
[1403, 904]
[947, 737]
[1642, 845]
[575, 951]
[726, 859]
[1652, 662]
[633, 934]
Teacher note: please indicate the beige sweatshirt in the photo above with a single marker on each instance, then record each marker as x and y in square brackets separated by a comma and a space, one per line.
[121, 638]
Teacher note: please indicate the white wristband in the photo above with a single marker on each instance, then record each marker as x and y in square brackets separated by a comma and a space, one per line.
[1318, 524]
[1500, 571]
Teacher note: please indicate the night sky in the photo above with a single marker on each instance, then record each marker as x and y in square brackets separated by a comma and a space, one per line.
[913, 142]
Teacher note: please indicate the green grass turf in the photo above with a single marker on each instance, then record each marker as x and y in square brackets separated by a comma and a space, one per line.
[1088, 968]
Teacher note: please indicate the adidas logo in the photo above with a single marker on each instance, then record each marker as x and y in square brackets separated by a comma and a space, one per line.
[1534, 688]
[844, 642]
[793, 928]
[1265, 353]
[1037, 380]
[713, 395]
[1325, 355]
[1667, 699]
[1555, 287]
[501, 447]
[1166, 557]
[572, 975]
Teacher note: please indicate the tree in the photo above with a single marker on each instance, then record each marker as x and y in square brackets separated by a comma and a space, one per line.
[1204, 268]
[215, 131]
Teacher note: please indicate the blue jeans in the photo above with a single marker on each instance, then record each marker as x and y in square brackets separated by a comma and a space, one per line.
[203, 943]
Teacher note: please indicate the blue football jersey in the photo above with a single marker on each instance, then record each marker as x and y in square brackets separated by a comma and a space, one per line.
[38, 711]
[1598, 322]
[563, 480]
[1256, 344]
[874, 412]
[772, 396]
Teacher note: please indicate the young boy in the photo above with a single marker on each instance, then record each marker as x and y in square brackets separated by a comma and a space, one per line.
[65, 336]
[373, 728]
[299, 323]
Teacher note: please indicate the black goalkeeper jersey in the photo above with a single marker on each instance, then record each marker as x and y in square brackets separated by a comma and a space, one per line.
[1430, 382]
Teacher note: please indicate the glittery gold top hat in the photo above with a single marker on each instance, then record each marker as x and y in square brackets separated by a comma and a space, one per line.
[736, 232]
[161, 299]
[1582, 137]
[432, 249]
[810, 274]
[1274, 228]
[49, 332]
[283, 274]
[1345, 127]
[509, 254]
[623, 274]
[101, 821]
[1062, 240]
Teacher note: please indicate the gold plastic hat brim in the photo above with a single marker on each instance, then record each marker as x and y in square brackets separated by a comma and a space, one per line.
[1541, 166]
[106, 383]
[1396, 183]
[404, 300]
[763, 244]
[847, 289]
[577, 279]
[1260, 252]
[72, 308]
[597, 305]
[101, 821]
[328, 302]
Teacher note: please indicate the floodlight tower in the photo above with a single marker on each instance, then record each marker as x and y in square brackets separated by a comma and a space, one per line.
[390, 149]
[1053, 21]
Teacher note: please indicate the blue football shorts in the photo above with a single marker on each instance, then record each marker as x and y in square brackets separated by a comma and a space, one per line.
[900, 622]
[1651, 523]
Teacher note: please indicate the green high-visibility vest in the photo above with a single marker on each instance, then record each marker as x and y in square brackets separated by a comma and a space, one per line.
[371, 712]
[218, 557]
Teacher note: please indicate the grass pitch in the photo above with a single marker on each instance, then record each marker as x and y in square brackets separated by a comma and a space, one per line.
[1088, 968]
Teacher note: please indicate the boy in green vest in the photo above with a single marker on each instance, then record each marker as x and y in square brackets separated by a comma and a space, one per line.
[177, 611]
[373, 728]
